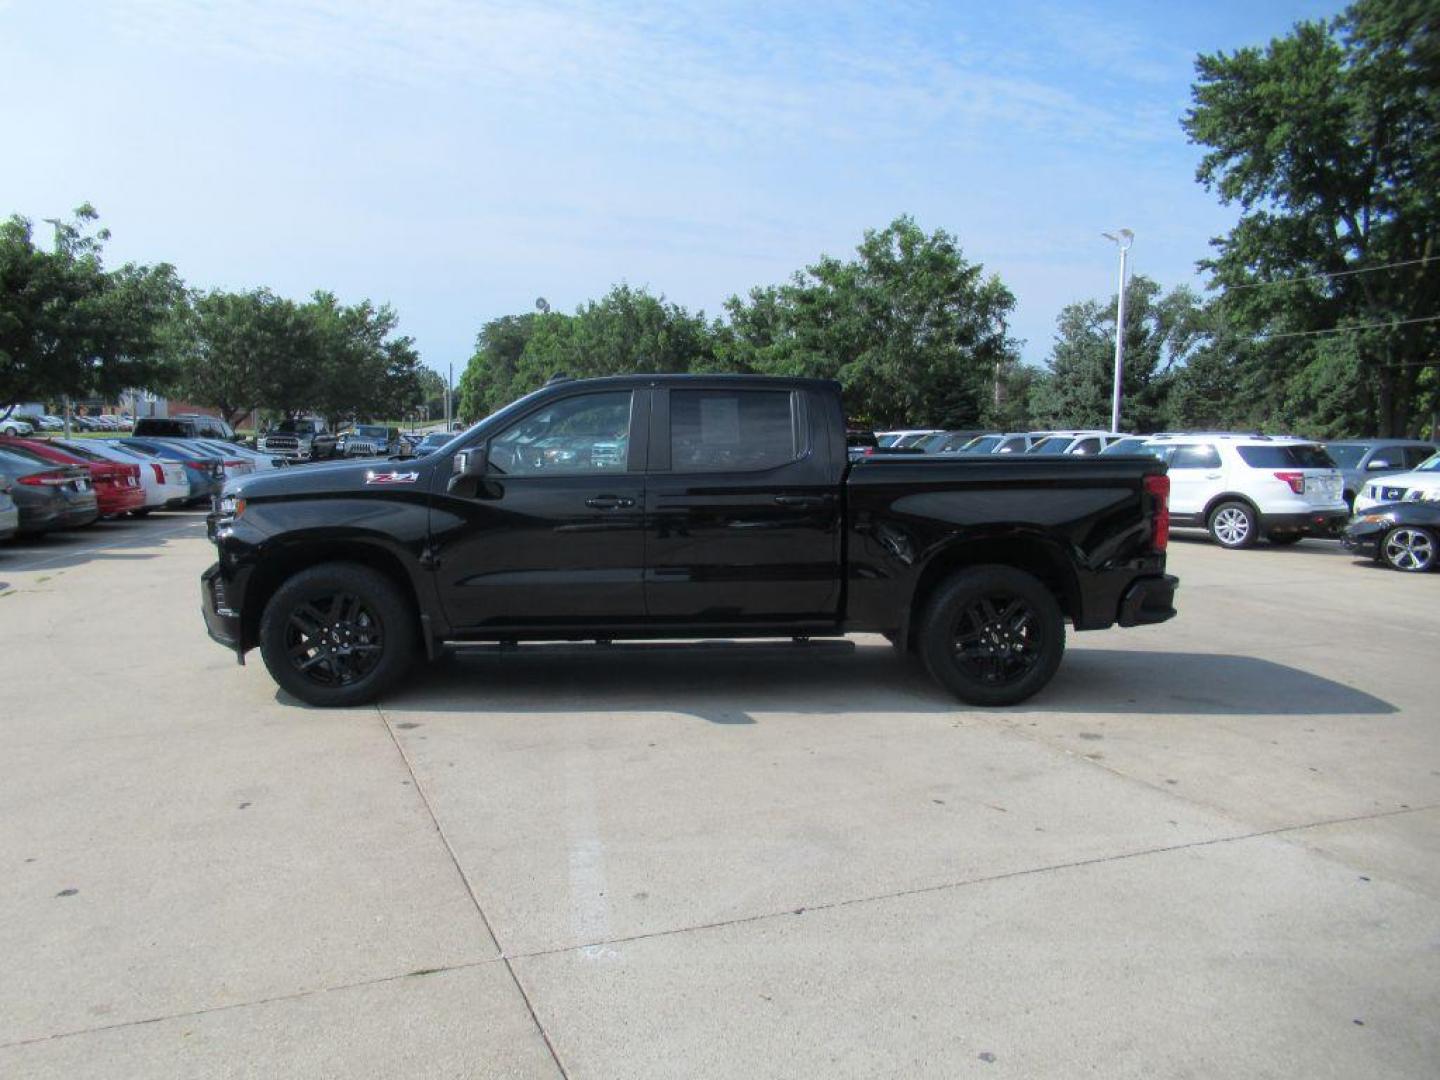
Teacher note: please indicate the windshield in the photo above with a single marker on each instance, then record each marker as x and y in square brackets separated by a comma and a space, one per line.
[1346, 455]
[296, 427]
[370, 431]
[1430, 464]
[1055, 444]
[982, 444]
[1130, 446]
[82, 453]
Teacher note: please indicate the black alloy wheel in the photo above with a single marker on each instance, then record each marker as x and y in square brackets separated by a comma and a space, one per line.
[338, 634]
[334, 640]
[993, 635]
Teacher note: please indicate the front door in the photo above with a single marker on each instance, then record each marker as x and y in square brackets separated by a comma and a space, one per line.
[742, 509]
[552, 535]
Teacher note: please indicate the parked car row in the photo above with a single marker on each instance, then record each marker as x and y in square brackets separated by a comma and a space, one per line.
[928, 441]
[17, 424]
[57, 483]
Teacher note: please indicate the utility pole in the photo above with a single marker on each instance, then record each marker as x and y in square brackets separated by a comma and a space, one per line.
[449, 381]
[1123, 238]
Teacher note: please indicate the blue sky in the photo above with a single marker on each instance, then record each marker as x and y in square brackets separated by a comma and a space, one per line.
[460, 159]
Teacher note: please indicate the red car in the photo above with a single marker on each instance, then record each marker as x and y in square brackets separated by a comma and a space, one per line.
[117, 487]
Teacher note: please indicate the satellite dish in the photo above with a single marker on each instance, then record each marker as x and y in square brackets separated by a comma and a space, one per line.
[542, 305]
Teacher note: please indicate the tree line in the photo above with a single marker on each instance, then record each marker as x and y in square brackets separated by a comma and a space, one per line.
[71, 327]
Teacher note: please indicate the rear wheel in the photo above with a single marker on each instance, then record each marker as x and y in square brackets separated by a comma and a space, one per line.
[1409, 548]
[1232, 525]
[338, 634]
[992, 635]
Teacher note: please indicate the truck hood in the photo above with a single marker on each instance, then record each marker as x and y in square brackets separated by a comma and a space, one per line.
[330, 478]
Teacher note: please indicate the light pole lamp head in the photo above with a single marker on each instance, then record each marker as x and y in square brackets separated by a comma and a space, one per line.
[1123, 238]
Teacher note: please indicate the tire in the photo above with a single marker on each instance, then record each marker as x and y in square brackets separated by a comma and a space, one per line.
[1284, 539]
[338, 634]
[992, 635]
[1409, 548]
[1232, 525]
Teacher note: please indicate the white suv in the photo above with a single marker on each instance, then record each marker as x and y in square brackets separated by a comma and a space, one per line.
[1242, 487]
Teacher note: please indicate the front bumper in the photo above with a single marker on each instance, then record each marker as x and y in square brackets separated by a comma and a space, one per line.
[1148, 601]
[222, 623]
[1322, 523]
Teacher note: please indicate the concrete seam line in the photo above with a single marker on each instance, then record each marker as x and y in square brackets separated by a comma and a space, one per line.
[297, 995]
[470, 889]
[946, 886]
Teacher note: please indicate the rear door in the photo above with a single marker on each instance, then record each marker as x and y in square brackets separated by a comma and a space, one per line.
[742, 516]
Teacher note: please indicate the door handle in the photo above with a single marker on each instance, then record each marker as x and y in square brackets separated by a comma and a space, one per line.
[799, 500]
[609, 502]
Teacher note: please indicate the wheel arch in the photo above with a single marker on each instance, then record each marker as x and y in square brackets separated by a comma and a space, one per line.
[287, 561]
[1041, 558]
[1230, 496]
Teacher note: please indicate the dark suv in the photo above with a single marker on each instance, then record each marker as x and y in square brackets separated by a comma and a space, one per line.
[185, 426]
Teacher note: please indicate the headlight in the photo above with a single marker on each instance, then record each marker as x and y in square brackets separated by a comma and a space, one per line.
[1375, 519]
[232, 506]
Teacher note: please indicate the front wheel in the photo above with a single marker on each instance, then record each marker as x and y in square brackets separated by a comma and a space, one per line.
[338, 634]
[1232, 525]
[992, 635]
[1409, 548]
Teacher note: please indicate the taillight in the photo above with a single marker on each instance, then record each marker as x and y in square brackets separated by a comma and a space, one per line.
[54, 478]
[1158, 488]
[234, 464]
[1296, 480]
[159, 473]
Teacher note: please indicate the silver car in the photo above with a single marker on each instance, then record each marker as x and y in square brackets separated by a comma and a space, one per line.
[1360, 460]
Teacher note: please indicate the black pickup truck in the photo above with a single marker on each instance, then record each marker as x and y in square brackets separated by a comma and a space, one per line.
[682, 507]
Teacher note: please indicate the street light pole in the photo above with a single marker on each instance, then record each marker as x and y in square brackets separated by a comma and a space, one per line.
[1122, 238]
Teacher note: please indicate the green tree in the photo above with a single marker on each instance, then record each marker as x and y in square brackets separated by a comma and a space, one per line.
[68, 325]
[488, 380]
[1328, 140]
[360, 366]
[914, 332]
[1161, 333]
[241, 351]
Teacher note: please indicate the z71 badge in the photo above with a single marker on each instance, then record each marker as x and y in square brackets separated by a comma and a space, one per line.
[373, 477]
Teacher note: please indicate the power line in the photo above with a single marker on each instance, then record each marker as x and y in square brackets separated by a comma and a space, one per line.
[1337, 274]
[1347, 329]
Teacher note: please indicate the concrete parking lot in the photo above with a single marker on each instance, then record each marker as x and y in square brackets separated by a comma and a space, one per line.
[1210, 848]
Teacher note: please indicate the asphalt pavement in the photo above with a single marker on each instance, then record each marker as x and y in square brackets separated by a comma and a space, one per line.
[1208, 849]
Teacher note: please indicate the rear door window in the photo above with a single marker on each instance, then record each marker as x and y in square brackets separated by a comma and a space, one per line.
[1194, 457]
[1414, 455]
[715, 430]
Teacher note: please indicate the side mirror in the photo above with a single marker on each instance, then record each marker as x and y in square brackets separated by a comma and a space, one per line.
[468, 465]
[1376, 464]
